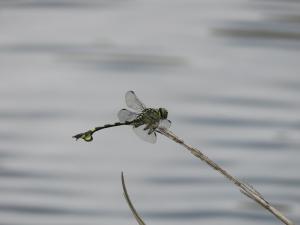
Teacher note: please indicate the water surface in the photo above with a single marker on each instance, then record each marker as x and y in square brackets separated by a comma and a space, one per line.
[228, 71]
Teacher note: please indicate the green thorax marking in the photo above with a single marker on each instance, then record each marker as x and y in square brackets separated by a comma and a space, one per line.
[149, 117]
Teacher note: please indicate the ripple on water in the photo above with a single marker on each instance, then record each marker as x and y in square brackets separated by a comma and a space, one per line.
[249, 102]
[60, 4]
[277, 26]
[257, 34]
[54, 210]
[124, 61]
[100, 56]
[188, 180]
[241, 122]
[183, 180]
[32, 115]
[206, 214]
[42, 191]
[268, 145]
[32, 189]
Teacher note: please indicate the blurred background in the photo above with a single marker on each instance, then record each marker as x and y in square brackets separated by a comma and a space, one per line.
[227, 71]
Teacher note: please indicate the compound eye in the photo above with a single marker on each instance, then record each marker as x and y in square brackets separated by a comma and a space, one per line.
[166, 114]
[163, 113]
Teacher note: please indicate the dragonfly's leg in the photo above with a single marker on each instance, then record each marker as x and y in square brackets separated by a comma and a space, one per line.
[151, 130]
[154, 127]
[147, 127]
[136, 124]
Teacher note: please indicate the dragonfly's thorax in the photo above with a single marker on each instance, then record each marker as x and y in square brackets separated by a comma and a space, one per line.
[149, 116]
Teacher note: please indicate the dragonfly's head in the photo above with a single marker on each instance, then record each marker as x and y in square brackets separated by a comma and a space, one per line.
[163, 113]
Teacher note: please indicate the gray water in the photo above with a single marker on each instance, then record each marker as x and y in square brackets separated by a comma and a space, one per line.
[227, 71]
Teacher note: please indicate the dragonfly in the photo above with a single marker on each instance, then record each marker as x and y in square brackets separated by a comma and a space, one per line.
[144, 121]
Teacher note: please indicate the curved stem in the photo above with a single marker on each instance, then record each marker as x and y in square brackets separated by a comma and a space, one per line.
[134, 212]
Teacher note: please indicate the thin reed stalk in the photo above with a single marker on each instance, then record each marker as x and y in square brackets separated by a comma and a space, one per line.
[246, 189]
[126, 195]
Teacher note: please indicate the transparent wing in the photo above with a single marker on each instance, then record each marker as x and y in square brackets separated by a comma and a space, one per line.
[133, 102]
[143, 134]
[126, 115]
[166, 124]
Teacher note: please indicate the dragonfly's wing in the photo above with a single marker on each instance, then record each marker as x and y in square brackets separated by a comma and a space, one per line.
[125, 115]
[143, 134]
[133, 102]
[166, 124]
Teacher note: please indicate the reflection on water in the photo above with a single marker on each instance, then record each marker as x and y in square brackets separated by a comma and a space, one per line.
[278, 20]
[245, 101]
[205, 214]
[258, 33]
[101, 56]
[185, 180]
[56, 4]
[255, 144]
[227, 71]
[243, 122]
[33, 115]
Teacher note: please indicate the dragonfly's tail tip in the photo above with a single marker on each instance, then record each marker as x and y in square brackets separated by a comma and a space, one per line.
[76, 137]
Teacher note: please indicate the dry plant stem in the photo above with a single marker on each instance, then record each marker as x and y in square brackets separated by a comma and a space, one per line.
[134, 212]
[246, 189]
